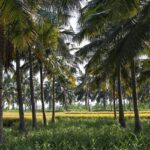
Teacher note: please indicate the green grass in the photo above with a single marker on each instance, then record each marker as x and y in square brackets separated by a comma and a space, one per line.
[79, 134]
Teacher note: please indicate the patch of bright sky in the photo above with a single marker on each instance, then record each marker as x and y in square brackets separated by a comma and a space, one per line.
[75, 26]
[143, 57]
[74, 23]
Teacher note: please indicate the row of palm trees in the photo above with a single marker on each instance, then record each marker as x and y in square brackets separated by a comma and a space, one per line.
[35, 28]
[118, 33]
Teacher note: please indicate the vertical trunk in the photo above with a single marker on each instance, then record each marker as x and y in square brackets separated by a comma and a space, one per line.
[64, 99]
[19, 91]
[104, 101]
[134, 96]
[53, 101]
[114, 99]
[13, 106]
[121, 112]
[42, 95]
[9, 105]
[87, 100]
[1, 102]
[50, 105]
[124, 103]
[110, 101]
[89, 105]
[34, 125]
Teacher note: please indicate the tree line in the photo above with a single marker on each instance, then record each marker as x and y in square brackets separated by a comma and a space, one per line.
[34, 33]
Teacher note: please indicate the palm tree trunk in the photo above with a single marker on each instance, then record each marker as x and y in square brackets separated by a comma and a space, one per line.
[34, 125]
[19, 91]
[50, 105]
[42, 95]
[104, 101]
[64, 99]
[114, 99]
[87, 104]
[1, 102]
[135, 101]
[13, 106]
[121, 112]
[110, 101]
[53, 101]
[86, 99]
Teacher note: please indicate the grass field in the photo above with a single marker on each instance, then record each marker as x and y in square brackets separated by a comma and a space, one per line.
[76, 131]
[79, 134]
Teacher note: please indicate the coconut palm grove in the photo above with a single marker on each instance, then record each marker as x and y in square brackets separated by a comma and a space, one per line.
[74, 74]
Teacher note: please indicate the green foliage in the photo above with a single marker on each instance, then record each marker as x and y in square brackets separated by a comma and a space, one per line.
[80, 134]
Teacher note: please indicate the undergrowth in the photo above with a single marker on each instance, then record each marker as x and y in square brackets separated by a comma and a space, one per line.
[78, 134]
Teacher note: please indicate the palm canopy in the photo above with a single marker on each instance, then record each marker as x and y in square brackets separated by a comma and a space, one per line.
[138, 34]
[6, 45]
[97, 16]
[19, 23]
[119, 41]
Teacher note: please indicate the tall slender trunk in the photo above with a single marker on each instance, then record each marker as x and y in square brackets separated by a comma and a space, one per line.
[19, 91]
[87, 104]
[53, 101]
[130, 103]
[134, 96]
[86, 99]
[34, 125]
[50, 104]
[13, 106]
[1, 102]
[42, 95]
[121, 112]
[64, 99]
[104, 100]
[110, 101]
[114, 99]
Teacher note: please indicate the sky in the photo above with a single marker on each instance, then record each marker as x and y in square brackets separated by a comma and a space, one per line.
[75, 26]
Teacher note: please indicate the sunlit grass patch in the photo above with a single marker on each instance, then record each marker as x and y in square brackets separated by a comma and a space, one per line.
[104, 114]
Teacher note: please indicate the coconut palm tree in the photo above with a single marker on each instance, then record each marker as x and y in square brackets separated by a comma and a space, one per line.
[5, 58]
[42, 93]
[34, 124]
[17, 15]
[48, 32]
[141, 31]
[19, 22]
